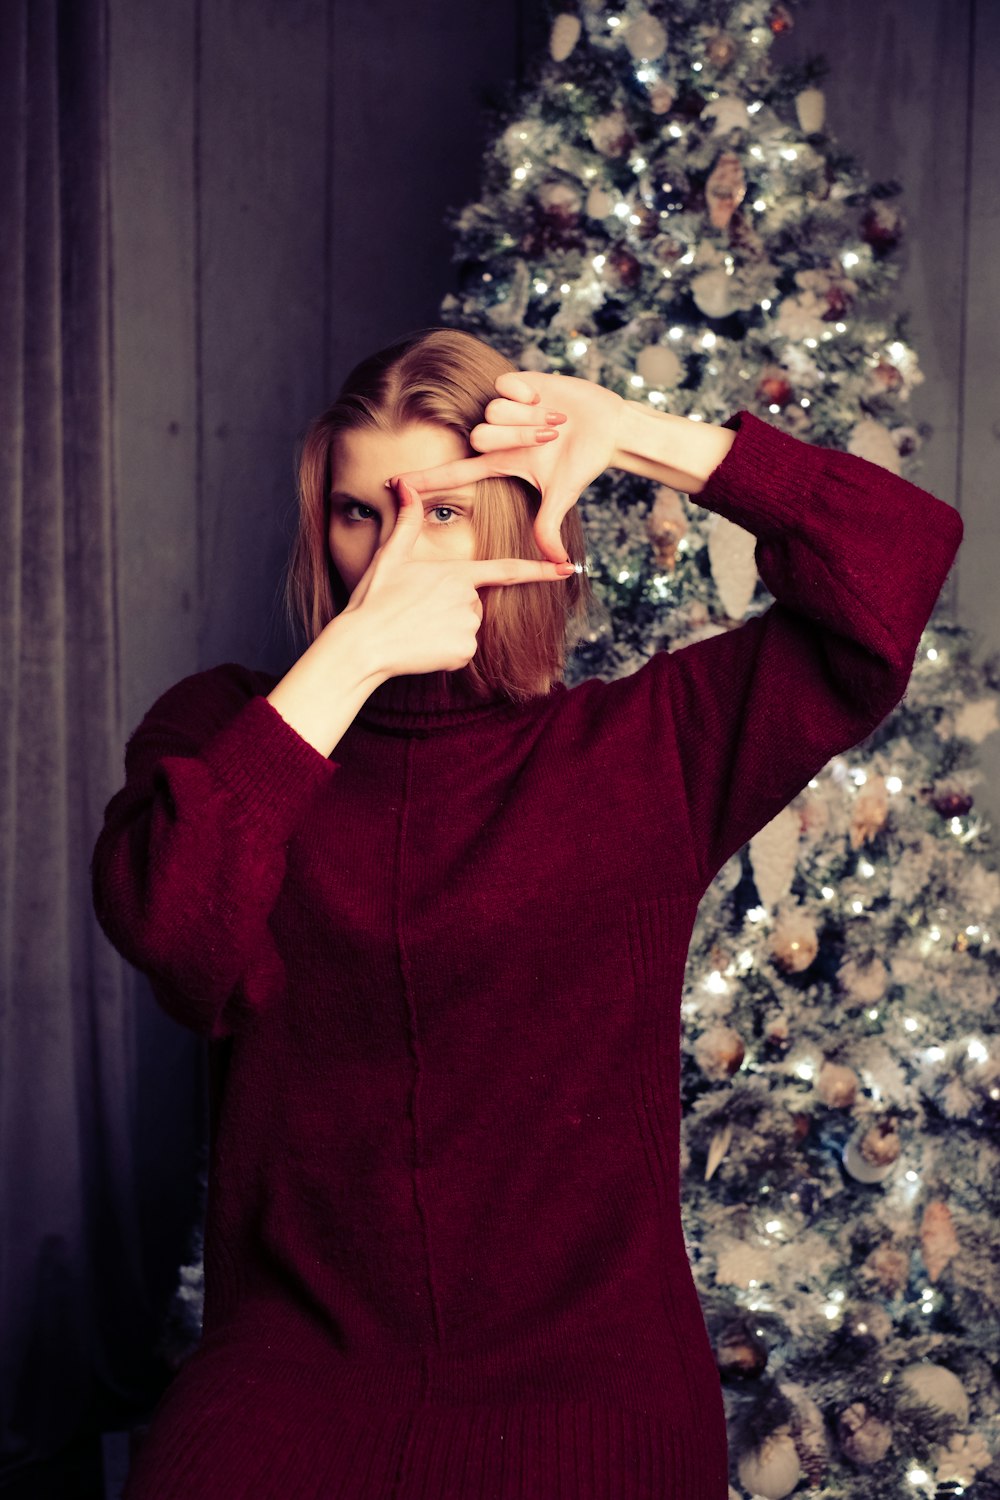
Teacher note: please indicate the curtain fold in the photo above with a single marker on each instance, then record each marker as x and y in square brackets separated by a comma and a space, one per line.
[73, 1306]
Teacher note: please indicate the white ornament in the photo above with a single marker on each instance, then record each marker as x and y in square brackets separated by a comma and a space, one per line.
[860, 1169]
[718, 1148]
[976, 719]
[731, 556]
[564, 36]
[729, 113]
[774, 852]
[600, 203]
[772, 1470]
[933, 1385]
[869, 439]
[659, 366]
[645, 37]
[810, 106]
[713, 293]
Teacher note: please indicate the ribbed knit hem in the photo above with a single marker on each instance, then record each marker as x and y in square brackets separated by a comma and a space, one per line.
[270, 768]
[260, 1441]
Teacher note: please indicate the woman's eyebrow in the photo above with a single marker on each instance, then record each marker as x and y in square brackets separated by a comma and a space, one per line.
[431, 495]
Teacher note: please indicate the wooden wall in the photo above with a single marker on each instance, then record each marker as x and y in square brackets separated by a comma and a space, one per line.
[913, 93]
[280, 175]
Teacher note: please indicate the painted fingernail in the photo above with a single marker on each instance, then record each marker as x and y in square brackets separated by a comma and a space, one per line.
[555, 416]
[545, 436]
[565, 569]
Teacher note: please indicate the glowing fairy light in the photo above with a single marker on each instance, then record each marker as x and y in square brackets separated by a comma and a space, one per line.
[827, 893]
[857, 906]
[932, 654]
[598, 262]
[541, 286]
[977, 1051]
[910, 1023]
[766, 304]
[805, 1070]
[622, 210]
[897, 350]
[709, 341]
[873, 1014]
[756, 913]
[716, 983]
[789, 153]
[893, 784]
[637, 381]
[578, 347]
[866, 869]
[772, 1226]
[676, 132]
[676, 333]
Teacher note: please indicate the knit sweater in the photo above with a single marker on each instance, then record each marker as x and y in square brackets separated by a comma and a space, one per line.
[439, 974]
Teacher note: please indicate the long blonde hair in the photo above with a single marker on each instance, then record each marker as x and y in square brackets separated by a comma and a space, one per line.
[444, 376]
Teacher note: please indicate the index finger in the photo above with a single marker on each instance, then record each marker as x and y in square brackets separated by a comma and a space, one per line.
[450, 476]
[494, 570]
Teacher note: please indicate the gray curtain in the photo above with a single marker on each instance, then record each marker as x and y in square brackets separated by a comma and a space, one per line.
[74, 1312]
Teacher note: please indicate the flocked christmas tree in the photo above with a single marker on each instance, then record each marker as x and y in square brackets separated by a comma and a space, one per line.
[663, 211]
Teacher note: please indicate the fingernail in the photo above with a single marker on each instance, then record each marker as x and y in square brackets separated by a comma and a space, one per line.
[555, 416]
[543, 436]
[565, 568]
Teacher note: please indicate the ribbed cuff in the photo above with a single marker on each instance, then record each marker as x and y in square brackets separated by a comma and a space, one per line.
[761, 482]
[271, 770]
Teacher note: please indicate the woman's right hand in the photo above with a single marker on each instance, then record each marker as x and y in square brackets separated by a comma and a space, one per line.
[424, 615]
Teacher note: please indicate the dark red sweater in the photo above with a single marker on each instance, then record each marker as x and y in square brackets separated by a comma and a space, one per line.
[441, 975]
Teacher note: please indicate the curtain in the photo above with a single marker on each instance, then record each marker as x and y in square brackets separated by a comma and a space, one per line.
[74, 1312]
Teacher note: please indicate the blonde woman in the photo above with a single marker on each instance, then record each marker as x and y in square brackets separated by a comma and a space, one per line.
[431, 907]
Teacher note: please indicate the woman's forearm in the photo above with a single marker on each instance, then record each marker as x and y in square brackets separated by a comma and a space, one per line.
[670, 449]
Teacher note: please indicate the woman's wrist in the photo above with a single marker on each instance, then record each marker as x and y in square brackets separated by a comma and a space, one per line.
[671, 449]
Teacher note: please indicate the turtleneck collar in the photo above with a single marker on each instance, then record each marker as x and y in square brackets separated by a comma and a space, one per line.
[434, 700]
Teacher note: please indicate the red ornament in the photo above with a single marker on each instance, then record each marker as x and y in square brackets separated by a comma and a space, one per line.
[624, 267]
[952, 804]
[838, 302]
[882, 227]
[775, 389]
[886, 377]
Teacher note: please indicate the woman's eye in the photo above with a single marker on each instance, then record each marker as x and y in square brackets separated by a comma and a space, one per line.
[357, 505]
[448, 519]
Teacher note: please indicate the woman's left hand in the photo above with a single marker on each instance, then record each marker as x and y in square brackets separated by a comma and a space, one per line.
[585, 417]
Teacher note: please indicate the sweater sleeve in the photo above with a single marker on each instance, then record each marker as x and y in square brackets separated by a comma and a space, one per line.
[189, 863]
[855, 557]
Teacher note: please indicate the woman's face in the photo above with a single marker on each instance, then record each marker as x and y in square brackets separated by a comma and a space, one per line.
[363, 512]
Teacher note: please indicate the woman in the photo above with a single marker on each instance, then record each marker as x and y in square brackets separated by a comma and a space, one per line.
[431, 908]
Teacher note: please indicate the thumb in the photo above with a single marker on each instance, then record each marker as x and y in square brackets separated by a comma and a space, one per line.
[409, 520]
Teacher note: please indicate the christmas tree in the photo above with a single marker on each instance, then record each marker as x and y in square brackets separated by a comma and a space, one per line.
[663, 211]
